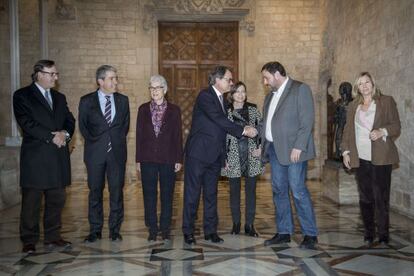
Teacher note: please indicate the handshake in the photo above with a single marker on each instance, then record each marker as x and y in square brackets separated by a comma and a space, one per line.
[250, 131]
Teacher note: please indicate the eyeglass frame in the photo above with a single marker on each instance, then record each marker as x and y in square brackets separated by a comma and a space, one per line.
[52, 74]
[157, 88]
[229, 80]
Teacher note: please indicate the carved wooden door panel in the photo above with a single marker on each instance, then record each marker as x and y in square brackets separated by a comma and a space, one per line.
[187, 53]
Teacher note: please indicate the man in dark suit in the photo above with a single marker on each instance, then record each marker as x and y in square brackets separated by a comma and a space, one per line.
[205, 152]
[104, 124]
[47, 125]
[288, 115]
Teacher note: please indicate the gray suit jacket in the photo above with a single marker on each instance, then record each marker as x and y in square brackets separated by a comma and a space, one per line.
[292, 123]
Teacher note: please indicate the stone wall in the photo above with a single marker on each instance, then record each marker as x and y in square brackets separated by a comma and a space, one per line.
[86, 34]
[376, 36]
[5, 114]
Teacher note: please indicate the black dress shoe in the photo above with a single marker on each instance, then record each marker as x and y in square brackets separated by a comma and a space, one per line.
[309, 242]
[57, 243]
[189, 239]
[116, 237]
[249, 230]
[214, 238]
[368, 241]
[92, 237]
[29, 248]
[236, 229]
[278, 239]
[152, 237]
[384, 241]
[165, 235]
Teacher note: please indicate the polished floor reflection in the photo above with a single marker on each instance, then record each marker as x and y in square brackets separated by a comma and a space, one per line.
[340, 250]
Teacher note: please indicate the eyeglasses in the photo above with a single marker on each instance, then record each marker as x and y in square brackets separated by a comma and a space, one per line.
[228, 79]
[52, 74]
[156, 88]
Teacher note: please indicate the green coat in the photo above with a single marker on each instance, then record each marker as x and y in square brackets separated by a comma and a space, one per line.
[255, 166]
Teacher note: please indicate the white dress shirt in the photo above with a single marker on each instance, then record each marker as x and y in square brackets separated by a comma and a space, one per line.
[272, 108]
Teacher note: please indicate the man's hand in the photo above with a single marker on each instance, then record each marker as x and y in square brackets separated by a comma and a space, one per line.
[177, 167]
[59, 139]
[250, 131]
[376, 134]
[138, 167]
[347, 161]
[295, 155]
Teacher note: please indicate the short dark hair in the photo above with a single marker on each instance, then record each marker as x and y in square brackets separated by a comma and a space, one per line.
[274, 66]
[234, 89]
[40, 65]
[218, 72]
[101, 72]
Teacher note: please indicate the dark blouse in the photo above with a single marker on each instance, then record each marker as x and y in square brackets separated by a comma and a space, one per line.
[167, 148]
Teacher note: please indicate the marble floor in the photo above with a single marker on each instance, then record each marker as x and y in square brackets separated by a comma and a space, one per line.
[340, 250]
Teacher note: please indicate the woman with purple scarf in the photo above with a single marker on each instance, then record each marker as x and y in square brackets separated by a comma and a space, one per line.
[159, 155]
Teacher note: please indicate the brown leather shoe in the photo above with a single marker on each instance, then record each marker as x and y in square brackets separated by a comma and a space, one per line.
[29, 248]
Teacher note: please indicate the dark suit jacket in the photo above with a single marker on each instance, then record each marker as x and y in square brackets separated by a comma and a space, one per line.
[292, 123]
[207, 138]
[42, 164]
[96, 131]
[167, 148]
[386, 116]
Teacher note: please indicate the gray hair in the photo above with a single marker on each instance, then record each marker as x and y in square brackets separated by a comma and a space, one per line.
[40, 65]
[161, 80]
[217, 73]
[101, 72]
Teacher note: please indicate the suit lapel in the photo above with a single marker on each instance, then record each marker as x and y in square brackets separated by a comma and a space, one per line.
[284, 95]
[218, 101]
[378, 107]
[39, 96]
[118, 108]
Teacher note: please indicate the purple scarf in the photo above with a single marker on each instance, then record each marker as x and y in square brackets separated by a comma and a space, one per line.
[157, 114]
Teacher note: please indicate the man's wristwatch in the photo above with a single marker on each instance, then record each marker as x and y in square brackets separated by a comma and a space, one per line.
[67, 136]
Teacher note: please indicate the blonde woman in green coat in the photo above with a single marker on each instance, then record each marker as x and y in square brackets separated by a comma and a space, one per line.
[243, 160]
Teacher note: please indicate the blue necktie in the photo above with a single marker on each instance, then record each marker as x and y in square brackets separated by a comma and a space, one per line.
[48, 98]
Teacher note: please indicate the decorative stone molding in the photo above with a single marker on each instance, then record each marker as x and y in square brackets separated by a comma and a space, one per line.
[65, 10]
[197, 10]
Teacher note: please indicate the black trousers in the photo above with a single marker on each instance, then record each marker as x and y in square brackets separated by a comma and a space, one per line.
[374, 197]
[250, 199]
[30, 214]
[115, 174]
[150, 174]
[200, 175]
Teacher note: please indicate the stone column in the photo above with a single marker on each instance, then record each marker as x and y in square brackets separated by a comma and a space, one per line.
[15, 138]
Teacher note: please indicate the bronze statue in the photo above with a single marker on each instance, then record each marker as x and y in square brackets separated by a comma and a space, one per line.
[345, 90]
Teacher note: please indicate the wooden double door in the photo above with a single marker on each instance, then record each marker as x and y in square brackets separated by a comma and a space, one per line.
[188, 52]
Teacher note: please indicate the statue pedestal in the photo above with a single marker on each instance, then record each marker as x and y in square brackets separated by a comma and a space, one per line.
[9, 177]
[339, 185]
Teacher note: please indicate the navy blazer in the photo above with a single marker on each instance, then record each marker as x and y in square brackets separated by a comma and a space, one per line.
[42, 164]
[167, 148]
[207, 138]
[96, 131]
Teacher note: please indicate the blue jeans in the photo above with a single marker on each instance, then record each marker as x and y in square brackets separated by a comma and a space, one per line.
[291, 178]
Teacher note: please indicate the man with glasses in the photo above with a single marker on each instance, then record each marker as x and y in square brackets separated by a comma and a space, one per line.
[205, 153]
[104, 124]
[47, 126]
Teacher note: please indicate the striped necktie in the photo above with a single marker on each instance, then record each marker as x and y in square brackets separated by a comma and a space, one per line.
[222, 104]
[108, 116]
